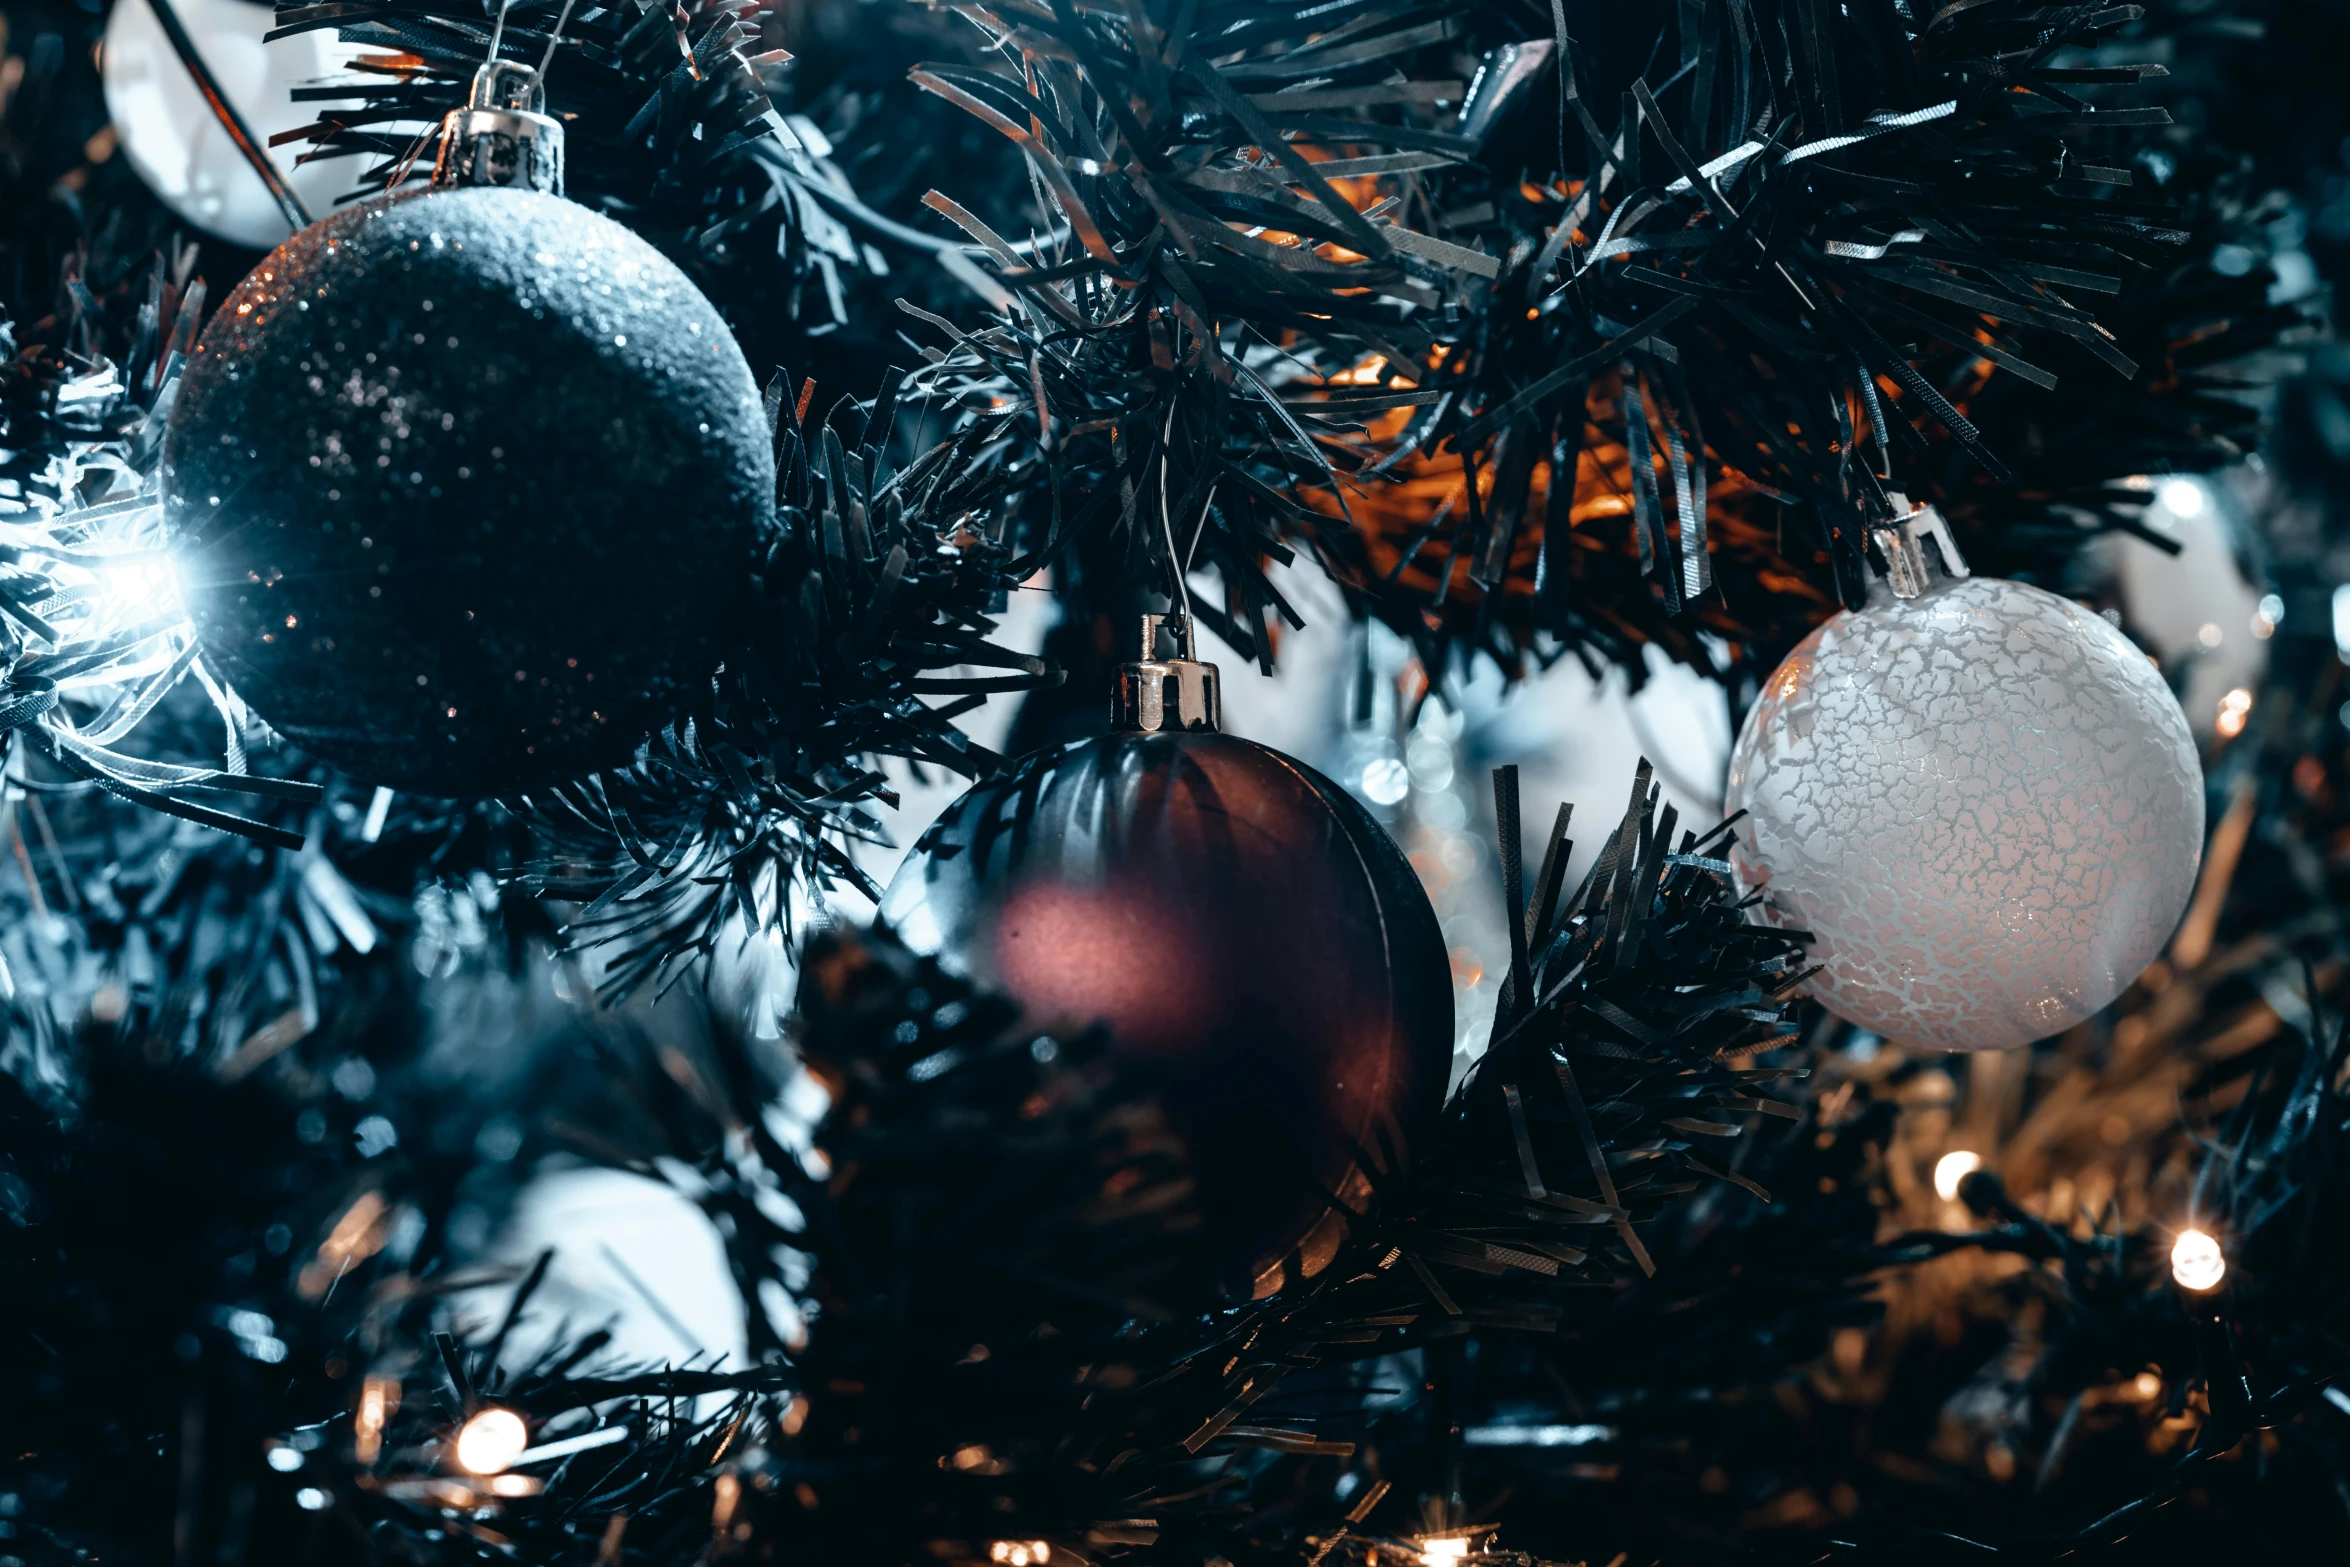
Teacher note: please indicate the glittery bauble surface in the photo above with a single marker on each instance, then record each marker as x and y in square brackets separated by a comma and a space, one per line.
[1247, 930]
[467, 487]
[1983, 803]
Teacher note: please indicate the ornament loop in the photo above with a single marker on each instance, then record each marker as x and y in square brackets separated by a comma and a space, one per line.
[1139, 703]
[503, 135]
[1903, 544]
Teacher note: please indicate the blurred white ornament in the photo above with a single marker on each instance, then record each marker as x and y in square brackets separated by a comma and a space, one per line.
[1683, 721]
[1575, 738]
[174, 142]
[631, 1254]
[2195, 607]
[1983, 803]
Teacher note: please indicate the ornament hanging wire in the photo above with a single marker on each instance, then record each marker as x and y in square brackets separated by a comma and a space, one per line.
[1180, 563]
[555, 37]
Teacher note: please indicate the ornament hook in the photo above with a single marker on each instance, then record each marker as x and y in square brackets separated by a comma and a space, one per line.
[503, 135]
[1903, 544]
[1139, 703]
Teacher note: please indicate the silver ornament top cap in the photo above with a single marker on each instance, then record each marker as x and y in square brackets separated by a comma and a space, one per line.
[1140, 705]
[503, 135]
[1903, 544]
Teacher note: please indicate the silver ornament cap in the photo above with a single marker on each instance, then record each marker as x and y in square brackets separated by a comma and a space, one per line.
[1140, 702]
[1903, 543]
[503, 135]
[1980, 799]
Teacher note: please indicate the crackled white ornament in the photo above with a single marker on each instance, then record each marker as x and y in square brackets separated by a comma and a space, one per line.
[1980, 799]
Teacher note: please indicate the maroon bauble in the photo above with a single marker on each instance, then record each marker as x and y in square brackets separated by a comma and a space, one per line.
[1247, 930]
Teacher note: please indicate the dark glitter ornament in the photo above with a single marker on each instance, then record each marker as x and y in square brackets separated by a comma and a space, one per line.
[1245, 928]
[467, 485]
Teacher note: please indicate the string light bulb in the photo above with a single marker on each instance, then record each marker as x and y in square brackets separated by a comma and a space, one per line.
[1951, 1171]
[2196, 1262]
[1020, 1553]
[2234, 708]
[1445, 1552]
[491, 1441]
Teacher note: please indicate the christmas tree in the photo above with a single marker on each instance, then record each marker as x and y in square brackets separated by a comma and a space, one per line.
[934, 647]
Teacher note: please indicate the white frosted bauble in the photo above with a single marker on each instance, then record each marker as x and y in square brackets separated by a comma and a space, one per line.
[1983, 803]
[180, 151]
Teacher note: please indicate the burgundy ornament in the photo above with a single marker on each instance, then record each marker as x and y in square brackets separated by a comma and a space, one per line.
[1244, 927]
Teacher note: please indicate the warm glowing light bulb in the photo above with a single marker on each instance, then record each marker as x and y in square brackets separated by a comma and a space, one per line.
[1952, 1169]
[1443, 1553]
[2232, 710]
[491, 1441]
[1020, 1553]
[2195, 1261]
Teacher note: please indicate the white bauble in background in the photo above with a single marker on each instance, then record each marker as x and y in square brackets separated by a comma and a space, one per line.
[2195, 609]
[632, 1255]
[1683, 721]
[1577, 739]
[176, 146]
[1982, 802]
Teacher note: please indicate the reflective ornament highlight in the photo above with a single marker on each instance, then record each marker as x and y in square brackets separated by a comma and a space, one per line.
[176, 146]
[1983, 803]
